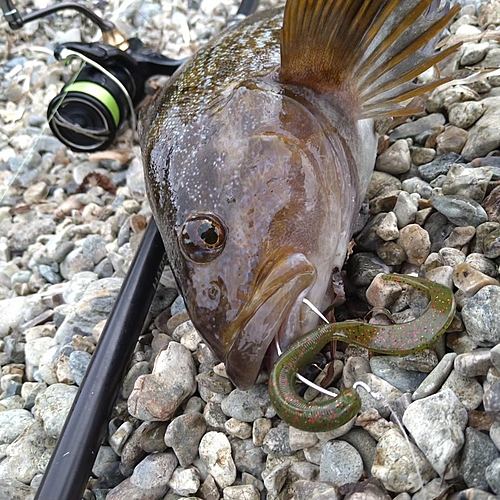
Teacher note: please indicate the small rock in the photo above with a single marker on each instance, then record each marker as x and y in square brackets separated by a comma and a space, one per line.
[436, 378]
[382, 293]
[415, 241]
[396, 160]
[394, 464]
[277, 441]
[470, 281]
[469, 182]
[340, 463]
[386, 367]
[460, 210]
[12, 424]
[437, 167]
[157, 396]
[249, 405]
[387, 229]
[241, 492]
[481, 316]
[53, 405]
[184, 482]
[452, 140]
[405, 209]
[473, 364]
[215, 453]
[467, 390]
[477, 454]
[436, 423]
[414, 128]
[492, 475]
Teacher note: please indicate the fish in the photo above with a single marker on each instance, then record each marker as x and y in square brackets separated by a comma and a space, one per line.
[258, 153]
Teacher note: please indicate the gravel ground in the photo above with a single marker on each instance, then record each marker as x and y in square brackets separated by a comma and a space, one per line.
[70, 224]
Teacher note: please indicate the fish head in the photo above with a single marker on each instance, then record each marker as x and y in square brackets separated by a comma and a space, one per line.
[245, 209]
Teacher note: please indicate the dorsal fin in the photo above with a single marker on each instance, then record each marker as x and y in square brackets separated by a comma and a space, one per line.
[371, 49]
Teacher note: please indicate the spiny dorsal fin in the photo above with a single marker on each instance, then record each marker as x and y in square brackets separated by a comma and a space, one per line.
[371, 49]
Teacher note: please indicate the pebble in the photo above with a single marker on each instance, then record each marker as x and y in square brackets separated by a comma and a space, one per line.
[248, 405]
[405, 210]
[414, 128]
[492, 475]
[340, 463]
[473, 364]
[184, 482]
[460, 210]
[467, 390]
[386, 367]
[184, 434]
[394, 464]
[439, 166]
[437, 424]
[477, 454]
[396, 160]
[53, 405]
[484, 135]
[173, 375]
[479, 315]
[469, 182]
[415, 241]
[13, 423]
[469, 280]
[215, 454]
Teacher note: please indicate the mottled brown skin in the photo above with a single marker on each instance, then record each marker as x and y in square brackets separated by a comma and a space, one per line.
[284, 168]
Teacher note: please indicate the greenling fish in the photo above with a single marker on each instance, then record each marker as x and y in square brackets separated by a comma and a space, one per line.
[258, 154]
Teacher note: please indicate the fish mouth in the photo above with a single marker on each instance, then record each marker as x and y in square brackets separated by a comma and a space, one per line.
[272, 312]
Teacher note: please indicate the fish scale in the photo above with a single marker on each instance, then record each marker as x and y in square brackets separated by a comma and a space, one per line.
[258, 153]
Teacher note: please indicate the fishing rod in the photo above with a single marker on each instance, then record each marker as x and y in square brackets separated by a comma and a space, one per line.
[87, 116]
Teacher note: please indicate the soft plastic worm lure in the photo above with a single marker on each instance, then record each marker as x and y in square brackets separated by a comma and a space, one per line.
[398, 339]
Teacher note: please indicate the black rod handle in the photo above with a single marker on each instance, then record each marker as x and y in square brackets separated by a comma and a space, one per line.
[71, 463]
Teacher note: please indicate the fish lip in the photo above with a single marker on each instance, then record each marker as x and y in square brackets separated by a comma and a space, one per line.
[280, 287]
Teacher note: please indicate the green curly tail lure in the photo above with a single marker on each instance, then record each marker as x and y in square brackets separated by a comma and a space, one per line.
[398, 339]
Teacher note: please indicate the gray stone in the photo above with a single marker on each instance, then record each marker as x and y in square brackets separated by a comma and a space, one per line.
[386, 367]
[477, 454]
[405, 209]
[491, 400]
[437, 167]
[414, 128]
[340, 463]
[157, 396]
[248, 405]
[18, 310]
[433, 382]
[439, 228]
[53, 405]
[13, 423]
[473, 364]
[312, 490]
[459, 210]
[248, 458]
[469, 182]
[277, 441]
[436, 423]
[30, 453]
[363, 267]
[184, 482]
[484, 135]
[492, 475]
[481, 316]
[241, 492]
[78, 363]
[468, 390]
[184, 434]
[94, 306]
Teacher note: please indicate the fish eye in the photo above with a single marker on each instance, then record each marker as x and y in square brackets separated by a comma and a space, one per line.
[202, 237]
